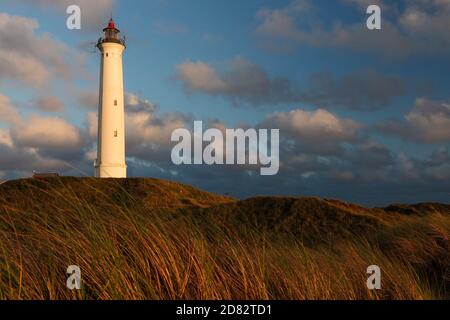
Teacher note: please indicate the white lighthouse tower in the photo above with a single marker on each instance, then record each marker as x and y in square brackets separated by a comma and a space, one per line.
[110, 161]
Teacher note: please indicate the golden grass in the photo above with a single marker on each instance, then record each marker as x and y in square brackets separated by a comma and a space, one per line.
[174, 248]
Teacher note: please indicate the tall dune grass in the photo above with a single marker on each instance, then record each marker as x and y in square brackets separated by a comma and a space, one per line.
[127, 252]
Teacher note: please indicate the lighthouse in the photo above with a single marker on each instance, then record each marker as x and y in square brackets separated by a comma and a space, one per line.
[110, 161]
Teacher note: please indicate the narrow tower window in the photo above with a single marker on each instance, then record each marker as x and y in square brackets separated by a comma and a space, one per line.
[115, 134]
[115, 102]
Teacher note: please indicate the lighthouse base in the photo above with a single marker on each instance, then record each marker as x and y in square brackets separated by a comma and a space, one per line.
[111, 171]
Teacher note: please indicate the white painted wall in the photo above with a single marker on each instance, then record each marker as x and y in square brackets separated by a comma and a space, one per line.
[111, 125]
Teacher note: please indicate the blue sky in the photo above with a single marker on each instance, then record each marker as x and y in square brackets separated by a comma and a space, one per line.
[317, 59]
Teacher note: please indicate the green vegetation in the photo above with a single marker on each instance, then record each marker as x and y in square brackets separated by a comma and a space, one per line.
[153, 239]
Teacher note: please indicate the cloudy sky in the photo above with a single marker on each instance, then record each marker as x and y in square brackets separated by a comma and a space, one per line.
[364, 116]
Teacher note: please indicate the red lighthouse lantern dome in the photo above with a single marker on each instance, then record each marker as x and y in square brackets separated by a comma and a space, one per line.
[111, 24]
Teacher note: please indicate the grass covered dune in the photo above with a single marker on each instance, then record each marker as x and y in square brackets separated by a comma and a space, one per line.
[153, 239]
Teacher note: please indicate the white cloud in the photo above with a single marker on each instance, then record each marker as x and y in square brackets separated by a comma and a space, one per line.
[314, 127]
[422, 27]
[281, 21]
[242, 82]
[5, 138]
[26, 70]
[36, 142]
[28, 57]
[25, 160]
[200, 76]
[134, 102]
[8, 113]
[92, 124]
[17, 159]
[50, 103]
[427, 21]
[147, 128]
[427, 122]
[46, 132]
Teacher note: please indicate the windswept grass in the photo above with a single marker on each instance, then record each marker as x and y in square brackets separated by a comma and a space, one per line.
[150, 239]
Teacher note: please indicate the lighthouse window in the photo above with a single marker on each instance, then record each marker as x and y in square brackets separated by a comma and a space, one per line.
[115, 134]
[106, 54]
[115, 102]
